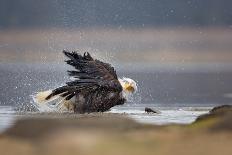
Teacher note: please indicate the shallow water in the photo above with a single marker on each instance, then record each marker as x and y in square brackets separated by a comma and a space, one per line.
[180, 115]
[168, 114]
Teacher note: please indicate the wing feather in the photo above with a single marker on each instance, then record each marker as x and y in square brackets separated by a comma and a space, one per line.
[90, 75]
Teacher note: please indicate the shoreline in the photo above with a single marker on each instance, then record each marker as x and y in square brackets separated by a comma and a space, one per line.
[116, 134]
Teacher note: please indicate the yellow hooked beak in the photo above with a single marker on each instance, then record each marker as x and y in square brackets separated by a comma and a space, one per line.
[128, 87]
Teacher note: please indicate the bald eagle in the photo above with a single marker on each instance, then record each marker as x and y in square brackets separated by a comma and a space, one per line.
[95, 88]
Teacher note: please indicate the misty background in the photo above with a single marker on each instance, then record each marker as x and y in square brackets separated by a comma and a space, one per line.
[112, 13]
[178, 51]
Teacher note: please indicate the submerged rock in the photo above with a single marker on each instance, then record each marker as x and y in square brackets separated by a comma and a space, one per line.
[149, 110]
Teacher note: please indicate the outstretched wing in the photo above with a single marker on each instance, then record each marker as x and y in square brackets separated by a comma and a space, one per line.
[90, 75]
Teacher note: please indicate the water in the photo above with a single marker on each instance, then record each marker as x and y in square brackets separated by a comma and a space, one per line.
[167, 115]
[7, 117]
[180, 96]
[180, 115]
[21, 80]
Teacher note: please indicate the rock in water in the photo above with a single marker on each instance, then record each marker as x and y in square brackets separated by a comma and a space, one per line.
[149, 110]
[221, 109]
[218, 111]
[218, 119]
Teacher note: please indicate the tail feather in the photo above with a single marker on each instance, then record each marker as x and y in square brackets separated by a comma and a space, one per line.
[54, 103]
[41, 97]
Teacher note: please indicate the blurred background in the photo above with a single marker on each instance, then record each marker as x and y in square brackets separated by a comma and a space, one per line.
[178, 51]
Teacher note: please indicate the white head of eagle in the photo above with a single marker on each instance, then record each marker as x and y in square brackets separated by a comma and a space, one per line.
[128, 85]
[95, 87]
